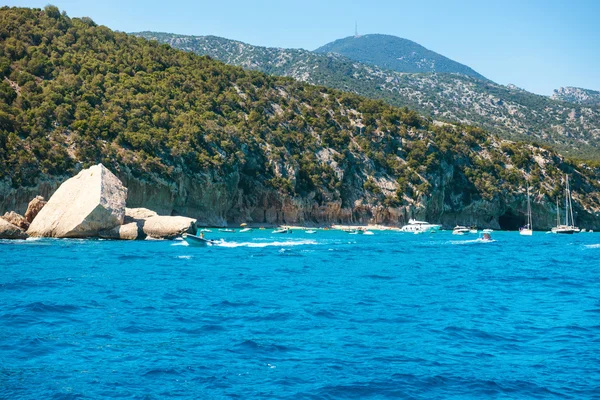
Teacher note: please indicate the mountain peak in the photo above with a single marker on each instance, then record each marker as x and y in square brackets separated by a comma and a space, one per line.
[395, 53]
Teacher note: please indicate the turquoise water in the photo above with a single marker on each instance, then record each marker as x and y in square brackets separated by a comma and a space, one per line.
[329, 315]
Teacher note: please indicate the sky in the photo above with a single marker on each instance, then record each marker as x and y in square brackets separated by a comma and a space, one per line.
[538, 45]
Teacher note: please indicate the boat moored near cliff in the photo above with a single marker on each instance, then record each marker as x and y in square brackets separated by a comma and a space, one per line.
[415, 226]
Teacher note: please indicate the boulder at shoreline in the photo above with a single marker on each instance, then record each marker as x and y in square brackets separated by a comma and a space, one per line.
[16, 219]
[166, 227]
[34, 207]
[10, 231]
[142, 223]
[90, 202]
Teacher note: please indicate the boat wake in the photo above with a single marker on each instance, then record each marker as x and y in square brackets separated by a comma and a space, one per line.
[592, 246]
[473, 241]
[286, 243]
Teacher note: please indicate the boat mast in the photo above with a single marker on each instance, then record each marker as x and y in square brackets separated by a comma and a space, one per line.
[557, 213]
[567, 201]
[570, 203]
[529, 219]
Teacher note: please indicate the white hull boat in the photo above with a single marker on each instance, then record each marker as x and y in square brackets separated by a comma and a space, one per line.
[415, 226]
[460, 230]
[527, 230]
[568, 228]
[196, 241]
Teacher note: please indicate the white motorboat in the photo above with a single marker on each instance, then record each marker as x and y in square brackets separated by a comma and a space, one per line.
[282, 230]
[527, 230]
[473, 230]
[310, 231]
[227, 230]
[205, 230]
[246, 230]
[460, 230]
[487, 231]
[197, 241]
[569, 227]
[415, 226]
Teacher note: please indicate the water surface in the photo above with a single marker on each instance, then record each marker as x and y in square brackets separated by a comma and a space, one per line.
[329, 315]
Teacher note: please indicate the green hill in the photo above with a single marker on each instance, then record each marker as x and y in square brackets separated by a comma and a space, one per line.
[508, 111]
[191, 135]
[396, 54]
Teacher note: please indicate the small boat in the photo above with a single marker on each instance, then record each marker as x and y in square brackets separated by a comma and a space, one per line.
[569, 227]
[205, 230]
[282, 230]
[356, 232]
[527, 230]
[368, 233]
[485, 237]
[472, 230]
[460, 230]
[197, 241]
[246, 230]
[419, 226]
[310, 231]
[487, 231]
[227, 230]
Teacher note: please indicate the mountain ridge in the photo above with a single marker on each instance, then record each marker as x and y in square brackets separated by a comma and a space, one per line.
[508, 111]
[586, 97]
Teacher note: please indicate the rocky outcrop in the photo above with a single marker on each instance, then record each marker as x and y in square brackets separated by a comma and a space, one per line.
[10, 231]
[165, 227]
[129, 231]
[34, 207]
[135, 214]
[90, 202]
[16, 219]
[142, 223]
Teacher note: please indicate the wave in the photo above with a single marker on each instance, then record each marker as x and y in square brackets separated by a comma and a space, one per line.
[285, 243]
[473, 241]
[592, 246]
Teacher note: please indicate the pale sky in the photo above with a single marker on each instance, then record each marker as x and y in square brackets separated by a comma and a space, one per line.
[538, 45]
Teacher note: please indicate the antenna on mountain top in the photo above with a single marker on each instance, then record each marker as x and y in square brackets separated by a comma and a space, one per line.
[355, 28]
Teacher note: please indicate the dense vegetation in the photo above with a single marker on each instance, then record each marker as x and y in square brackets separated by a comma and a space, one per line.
[507, 111]
[396, 54]
[73, 93]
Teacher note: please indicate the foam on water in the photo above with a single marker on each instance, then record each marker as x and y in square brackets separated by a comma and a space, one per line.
[285, 243]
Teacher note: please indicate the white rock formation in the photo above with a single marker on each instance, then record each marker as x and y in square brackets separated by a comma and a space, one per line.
[166, 227]
[91, 201]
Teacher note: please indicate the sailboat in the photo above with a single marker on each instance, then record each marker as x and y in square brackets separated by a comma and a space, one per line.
[569, 227]
[527, 230]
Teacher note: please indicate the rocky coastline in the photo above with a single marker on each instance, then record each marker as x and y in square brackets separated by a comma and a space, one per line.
[96, 203]
[91, 204]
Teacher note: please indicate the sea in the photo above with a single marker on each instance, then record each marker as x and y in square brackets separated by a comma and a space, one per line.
[328, 315]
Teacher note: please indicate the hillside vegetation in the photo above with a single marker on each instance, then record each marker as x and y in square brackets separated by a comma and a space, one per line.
[227, 144]
[510, 112]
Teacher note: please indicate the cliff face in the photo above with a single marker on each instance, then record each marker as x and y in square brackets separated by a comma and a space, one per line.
[225, 202]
